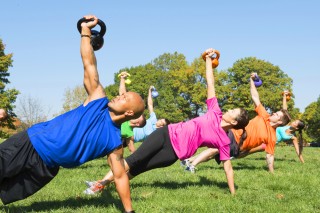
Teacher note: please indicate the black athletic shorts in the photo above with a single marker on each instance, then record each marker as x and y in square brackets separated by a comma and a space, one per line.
[22, 171]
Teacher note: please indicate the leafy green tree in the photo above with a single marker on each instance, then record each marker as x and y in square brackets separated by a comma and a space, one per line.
[182, 87]
[234, 88]
[159, 73]
[7, 96]
[311, 116]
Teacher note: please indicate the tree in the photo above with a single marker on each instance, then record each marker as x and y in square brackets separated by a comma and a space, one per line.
[159, 73]
[311, 116]
[9, 96]
[30, 111]
[74, 98]
[233, 90]
[182, 87]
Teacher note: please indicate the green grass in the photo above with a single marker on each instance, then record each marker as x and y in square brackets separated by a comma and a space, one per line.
[294, 187]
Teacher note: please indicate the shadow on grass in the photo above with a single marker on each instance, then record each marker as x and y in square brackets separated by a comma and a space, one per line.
[72, 204]
[276, 159]
[204, 181]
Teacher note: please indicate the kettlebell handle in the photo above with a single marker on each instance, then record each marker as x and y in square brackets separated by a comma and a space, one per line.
[100, 23]
[217, 55]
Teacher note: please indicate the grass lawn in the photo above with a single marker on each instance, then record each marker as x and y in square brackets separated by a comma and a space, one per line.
[294, 187]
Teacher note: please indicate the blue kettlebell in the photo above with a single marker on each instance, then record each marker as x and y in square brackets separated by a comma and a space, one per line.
[257, 81]
[154, 93]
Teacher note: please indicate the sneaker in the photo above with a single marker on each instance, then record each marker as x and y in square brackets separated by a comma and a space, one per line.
[90, 183]
[191, 168]
[95, 188]
[185, 163]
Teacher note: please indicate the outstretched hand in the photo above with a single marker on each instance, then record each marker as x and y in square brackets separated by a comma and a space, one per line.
[210, 52]
[253, 75]
[90, 24]
[123, 74]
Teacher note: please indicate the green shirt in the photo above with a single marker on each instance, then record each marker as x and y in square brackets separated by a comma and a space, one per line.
[126, 130]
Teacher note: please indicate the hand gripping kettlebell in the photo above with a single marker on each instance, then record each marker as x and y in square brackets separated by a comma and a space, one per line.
[288, 95]
[127, 81]
[215, 58]
[154, 92]
[257, 81]
[96, 37]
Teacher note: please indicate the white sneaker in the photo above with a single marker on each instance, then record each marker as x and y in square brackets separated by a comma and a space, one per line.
[90, 183]
[191, 168]
[185, 163]
[94, 188]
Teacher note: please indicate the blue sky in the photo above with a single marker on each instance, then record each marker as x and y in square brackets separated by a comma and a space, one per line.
[44, 39]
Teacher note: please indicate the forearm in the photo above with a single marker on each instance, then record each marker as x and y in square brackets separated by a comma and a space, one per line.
[118, 167]
[150, 102]
[298, 149]
[205, 155]
[130, 144]
[123, 189]
[284, 102]
[210, 78]
[122, 86]
[254, 93]
[86, 50]
[229, 175]
[270, 162]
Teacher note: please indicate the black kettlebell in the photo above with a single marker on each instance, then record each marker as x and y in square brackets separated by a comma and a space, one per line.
[96, 37]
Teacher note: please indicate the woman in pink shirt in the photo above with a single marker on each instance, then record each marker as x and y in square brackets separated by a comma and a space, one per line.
[177, 141]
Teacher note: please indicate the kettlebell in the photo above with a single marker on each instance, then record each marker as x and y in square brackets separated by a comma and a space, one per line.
[154, 93]
[288, 95]
[127, 81]
[257, 81]
[96, 37]
[215, 61]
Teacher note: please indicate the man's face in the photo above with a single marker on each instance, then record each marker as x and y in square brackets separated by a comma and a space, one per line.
[276, 117]
[120, 103]
[137, 122]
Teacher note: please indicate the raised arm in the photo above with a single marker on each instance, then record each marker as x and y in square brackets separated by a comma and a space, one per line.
[298, 148]
[91, 76]
[122, 86]
[254, 92]
[284, 100]
[209, 74]
[150, 101]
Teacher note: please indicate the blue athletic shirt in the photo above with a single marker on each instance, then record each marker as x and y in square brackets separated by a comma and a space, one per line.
[282, 135]
[140, 134]
[77, 136]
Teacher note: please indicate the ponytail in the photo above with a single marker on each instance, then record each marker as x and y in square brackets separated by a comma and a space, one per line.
[242, 138]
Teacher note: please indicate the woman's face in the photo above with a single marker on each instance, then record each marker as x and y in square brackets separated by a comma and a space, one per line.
[295, 124]
[231, 115]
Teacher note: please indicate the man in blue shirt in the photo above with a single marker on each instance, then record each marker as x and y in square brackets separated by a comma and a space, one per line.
[31, 159]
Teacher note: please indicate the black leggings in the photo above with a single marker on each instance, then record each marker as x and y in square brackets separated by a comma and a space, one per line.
[155, 152]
